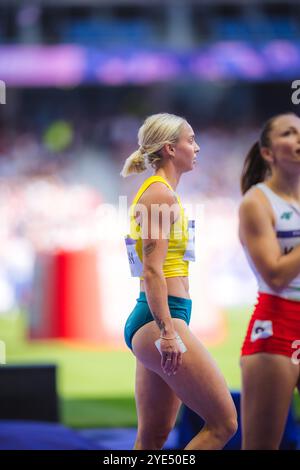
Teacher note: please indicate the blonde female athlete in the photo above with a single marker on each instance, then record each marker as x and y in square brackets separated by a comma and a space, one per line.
[159, 249]
[270, 234]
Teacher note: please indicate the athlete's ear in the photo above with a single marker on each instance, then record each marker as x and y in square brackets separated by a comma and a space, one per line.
[267, 154]
[170, 150]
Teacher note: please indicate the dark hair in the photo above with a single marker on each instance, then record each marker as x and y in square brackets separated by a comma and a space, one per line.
[255, 166]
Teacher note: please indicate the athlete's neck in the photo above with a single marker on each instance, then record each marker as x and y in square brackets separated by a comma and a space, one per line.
[285, 185]
[170, 175]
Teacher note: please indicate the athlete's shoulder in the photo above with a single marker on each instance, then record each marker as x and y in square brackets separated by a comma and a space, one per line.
[255, 200]
[158, 193]
[255, 207]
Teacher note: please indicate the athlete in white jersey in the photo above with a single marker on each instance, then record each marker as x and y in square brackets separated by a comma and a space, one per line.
[270, 235]
[287, 229]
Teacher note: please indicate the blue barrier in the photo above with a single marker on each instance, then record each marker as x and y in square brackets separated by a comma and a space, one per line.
[190, 424]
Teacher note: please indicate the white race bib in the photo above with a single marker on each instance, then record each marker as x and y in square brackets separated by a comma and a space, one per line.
[135, 264]
[189, 254]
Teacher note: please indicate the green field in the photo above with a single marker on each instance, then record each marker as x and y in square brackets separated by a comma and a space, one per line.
[96, 387]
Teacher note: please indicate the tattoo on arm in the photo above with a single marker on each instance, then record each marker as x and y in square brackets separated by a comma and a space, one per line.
[161, 325]
[148, 249]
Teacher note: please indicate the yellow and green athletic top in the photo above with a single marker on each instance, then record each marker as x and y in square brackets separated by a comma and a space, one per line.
[181, 238]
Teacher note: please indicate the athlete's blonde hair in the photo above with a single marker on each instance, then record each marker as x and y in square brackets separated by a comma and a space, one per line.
[156, 131]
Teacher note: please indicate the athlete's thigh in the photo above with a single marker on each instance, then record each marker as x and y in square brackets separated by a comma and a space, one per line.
[268, 381]
[198, 382]
[157, 404]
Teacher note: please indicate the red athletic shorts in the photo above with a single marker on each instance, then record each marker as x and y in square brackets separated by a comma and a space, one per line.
[274, 327]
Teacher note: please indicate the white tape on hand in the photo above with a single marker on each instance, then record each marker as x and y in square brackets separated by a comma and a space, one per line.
[181, 344]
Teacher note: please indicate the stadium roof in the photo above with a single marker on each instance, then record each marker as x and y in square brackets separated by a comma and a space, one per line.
[84, 3]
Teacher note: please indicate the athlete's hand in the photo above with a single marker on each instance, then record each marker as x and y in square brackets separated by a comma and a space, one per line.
[171, 356]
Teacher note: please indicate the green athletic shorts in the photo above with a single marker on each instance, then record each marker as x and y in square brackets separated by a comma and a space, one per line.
[141, 314]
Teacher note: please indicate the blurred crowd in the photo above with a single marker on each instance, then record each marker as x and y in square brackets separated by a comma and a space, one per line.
[54, 180]
[92, 158]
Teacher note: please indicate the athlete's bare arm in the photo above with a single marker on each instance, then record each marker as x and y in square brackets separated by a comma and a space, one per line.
[155, 247]
[258, 235]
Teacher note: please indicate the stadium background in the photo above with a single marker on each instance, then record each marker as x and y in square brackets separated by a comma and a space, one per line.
[80, 77]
